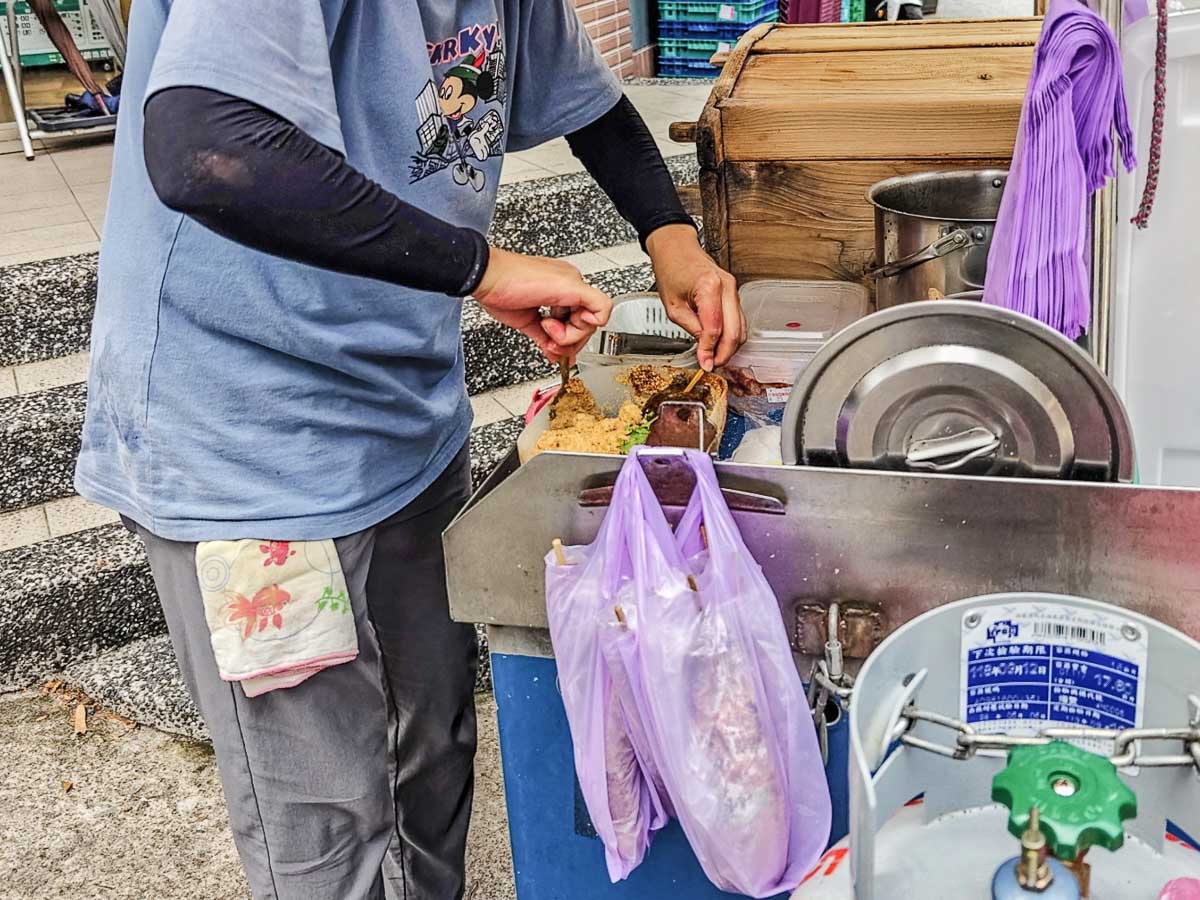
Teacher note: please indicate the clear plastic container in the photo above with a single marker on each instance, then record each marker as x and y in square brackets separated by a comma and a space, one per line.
[788, 321]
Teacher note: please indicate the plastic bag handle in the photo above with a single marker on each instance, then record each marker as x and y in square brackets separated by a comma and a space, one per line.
[707, 507]
[635, 529]
[687, 532]
[669, 494]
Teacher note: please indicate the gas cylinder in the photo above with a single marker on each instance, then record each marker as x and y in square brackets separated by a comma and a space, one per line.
[1021, 745]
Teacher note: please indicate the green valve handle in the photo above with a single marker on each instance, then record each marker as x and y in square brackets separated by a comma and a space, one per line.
[1081, 800]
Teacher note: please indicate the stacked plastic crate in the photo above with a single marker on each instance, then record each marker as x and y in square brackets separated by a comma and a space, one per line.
[691, 31]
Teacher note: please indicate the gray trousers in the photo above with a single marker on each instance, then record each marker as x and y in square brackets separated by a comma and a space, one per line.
[356, 783]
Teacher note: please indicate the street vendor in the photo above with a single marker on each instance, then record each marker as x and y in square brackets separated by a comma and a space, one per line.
[276, 402]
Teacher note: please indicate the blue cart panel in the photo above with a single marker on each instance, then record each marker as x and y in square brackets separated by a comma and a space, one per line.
[556, 854]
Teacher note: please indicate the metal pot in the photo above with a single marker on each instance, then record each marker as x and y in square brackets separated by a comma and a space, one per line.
[933, 231]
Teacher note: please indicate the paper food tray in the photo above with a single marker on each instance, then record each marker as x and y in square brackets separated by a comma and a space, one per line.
[603, 384]
[609, 394]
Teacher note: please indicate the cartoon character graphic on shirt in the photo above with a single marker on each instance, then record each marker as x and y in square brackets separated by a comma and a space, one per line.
[461, 124]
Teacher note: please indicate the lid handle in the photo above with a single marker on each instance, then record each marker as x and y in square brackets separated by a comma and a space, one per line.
[944, 454]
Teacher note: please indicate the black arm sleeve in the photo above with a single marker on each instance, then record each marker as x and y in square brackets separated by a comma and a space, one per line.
[255, 178]
[619, 152]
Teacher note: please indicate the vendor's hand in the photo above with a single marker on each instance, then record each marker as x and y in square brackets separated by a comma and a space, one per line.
[699, 295]
[515, 287]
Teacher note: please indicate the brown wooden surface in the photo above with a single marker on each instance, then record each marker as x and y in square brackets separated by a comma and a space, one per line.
[912, 35]
[732, 70]
[714, 207]
[803, 119]
[710, 151]
[689, 196]
[914, 77]
[877, 104]
[873, 127]
[811, 220]
[682, 132]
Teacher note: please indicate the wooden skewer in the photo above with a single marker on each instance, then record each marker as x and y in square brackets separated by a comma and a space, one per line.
[620, 614]
[558, 552]
[695, 380]
[696, 594]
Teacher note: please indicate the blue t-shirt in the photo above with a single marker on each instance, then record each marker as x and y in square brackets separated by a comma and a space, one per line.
[235, 394]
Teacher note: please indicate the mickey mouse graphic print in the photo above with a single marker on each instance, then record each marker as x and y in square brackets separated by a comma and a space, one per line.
[462, 116]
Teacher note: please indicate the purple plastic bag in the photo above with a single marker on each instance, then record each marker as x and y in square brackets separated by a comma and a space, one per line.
[622, 802]
[721, 702]
[618, 644]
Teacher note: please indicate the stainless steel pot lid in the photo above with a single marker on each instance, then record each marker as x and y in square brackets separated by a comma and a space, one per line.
[957, 386]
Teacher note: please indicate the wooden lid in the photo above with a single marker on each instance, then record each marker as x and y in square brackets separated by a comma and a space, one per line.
[904, 90]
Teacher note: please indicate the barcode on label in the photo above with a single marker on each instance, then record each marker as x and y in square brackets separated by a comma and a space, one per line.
[1076, 633]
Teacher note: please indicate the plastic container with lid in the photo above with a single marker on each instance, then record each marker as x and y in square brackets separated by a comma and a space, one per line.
[788, 322]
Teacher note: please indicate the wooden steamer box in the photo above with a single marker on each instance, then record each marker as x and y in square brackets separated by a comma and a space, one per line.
[804, 118]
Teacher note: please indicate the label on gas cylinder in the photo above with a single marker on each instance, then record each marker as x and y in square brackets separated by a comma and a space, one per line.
[1028, 666]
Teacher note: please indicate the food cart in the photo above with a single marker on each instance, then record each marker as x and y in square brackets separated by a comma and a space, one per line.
[956, 473]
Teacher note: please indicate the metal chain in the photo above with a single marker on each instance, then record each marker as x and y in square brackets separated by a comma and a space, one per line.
[821, 687]
[829, 678]
[1124, 742]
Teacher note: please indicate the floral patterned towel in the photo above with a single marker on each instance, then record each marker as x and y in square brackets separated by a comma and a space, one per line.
[277, 611]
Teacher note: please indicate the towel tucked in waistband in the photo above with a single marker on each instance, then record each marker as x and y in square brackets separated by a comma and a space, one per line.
[278, 611]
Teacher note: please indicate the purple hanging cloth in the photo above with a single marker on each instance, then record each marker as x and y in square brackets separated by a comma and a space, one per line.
[831, 11]
[1038, 263]
[1134, 10]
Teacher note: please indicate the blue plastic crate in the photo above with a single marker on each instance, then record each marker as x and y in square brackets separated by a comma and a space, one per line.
[690, 48]
[680, 67]
[717, 31]
[704, 11]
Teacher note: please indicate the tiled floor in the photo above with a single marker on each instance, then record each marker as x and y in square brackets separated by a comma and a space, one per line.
[54, 205]
[23, 527]
[43, 375]
[598, 260]
[50, 373]
[41, 216]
